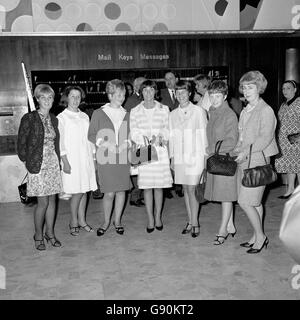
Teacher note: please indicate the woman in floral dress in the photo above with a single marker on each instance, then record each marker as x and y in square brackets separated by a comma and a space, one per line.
[38, 148]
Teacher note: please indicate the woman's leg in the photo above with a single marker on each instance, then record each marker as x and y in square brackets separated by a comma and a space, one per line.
[51, 216]
[230, 225]
[158, 198]
[39, 216]
[82, 210]
[74, 204]
[291, 183]
[119, 205]
[255, 220]
[148, 197]
[187, 203]
[227, 209]
[194, 205]
[108, 200]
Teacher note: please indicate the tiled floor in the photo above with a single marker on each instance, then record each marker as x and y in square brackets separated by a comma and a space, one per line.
[138, 265]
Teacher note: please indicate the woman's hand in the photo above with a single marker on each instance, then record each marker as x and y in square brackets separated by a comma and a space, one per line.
[172, 164]
[241, 156]
[66, 167]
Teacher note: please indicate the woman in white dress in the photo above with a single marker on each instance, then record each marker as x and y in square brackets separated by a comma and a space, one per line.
[150, 119]
[188, 144]
[78, 170]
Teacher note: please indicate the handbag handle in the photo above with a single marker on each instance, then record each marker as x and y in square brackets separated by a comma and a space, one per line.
[218, 146]
[24, 178]
[202, 175]
[146, 140]
[250, 156]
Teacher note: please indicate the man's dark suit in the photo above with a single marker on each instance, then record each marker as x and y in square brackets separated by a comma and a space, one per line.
[166, 99]
[132, 102]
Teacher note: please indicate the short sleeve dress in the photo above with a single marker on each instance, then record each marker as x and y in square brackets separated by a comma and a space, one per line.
[48, 181]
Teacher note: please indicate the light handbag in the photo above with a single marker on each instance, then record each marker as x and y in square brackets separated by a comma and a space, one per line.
[290, 225]
[142, 154]
[258, 176]
[22, 188]
[219, 164]
[200, 187]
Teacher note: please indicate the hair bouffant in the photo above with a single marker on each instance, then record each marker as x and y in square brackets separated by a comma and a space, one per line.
[43, 88]
[254, 77]
[77, 88]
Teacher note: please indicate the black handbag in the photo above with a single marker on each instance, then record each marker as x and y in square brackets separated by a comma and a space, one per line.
[200, 188]
[293, 138]
[143, 154]
[23, 193]
[218, 164]
[258, 176]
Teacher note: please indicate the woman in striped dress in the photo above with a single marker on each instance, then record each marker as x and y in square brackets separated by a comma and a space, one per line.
[150, 120]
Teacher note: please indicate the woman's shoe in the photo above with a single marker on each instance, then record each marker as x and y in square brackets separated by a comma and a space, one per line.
[74, 231]
[53, 241]
[150, 230]
[195, 233]
[119, 229]
[187, 229]
[220, 239]
[159, 228]
[87, 228]
[39, 244]
[101, 231]
[246, 245]
[265, 244]
[285, 197]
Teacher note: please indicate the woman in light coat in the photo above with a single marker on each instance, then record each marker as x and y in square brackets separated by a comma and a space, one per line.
[257, 126]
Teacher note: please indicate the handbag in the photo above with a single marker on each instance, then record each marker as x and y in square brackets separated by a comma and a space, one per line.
[219, 164]
[23, 193]
[142, 154]
[200, 188]
[258, 176]
[290, 225]
[293, 137]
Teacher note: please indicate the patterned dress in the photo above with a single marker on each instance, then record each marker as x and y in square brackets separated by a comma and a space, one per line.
[48, 181]
[289, 120]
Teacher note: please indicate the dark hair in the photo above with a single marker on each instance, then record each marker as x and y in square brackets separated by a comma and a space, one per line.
[148, 83]
[218, 86]
[114, 84]
[77, 88]
[203, 78]
[183, 84]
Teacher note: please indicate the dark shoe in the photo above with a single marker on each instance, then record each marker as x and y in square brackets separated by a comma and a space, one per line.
[137, 203]
[220, 239]
[159, 228]
[195, 233]
[101, 231]
[246, 245]
[54, 242]
[265, 244]
[39, 244]
[179, 193]
[119, 229]
[232, 234]
[97, 194]
[74, 231]
[87, 228]
[168, 194]
[150, 230]
[187, 229]
[285, 197]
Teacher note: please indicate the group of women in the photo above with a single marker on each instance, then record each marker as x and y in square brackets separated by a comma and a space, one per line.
[183, 140]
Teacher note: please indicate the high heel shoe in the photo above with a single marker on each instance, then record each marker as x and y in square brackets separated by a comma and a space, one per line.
[247, 245]
[74, 231]
[39, 244]
[265, 244]
[101, 231]
[54, 242]
[119, 229]
[220, 239]
[159, 228]
[195, 233]
[187, 229]
[232, 234]
[150, 230]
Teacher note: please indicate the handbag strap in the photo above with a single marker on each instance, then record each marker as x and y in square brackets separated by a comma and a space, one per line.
[24, 178]
[202, 176]
[218, 146]
[250, 156]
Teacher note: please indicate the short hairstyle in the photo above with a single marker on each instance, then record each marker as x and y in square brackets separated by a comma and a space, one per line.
[77, 88]
[148, 83]
[218, 86]
[254, 77]
[205, 79]
[183, 84]
[43, 88]
[113, 85]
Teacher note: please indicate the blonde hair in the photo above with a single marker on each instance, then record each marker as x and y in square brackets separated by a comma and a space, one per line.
[256, 78]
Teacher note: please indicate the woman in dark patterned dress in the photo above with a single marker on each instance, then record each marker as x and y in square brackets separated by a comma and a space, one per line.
[38, 148]
[289, 123]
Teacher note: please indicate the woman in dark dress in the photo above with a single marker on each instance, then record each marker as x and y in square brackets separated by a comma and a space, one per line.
[38, 148]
